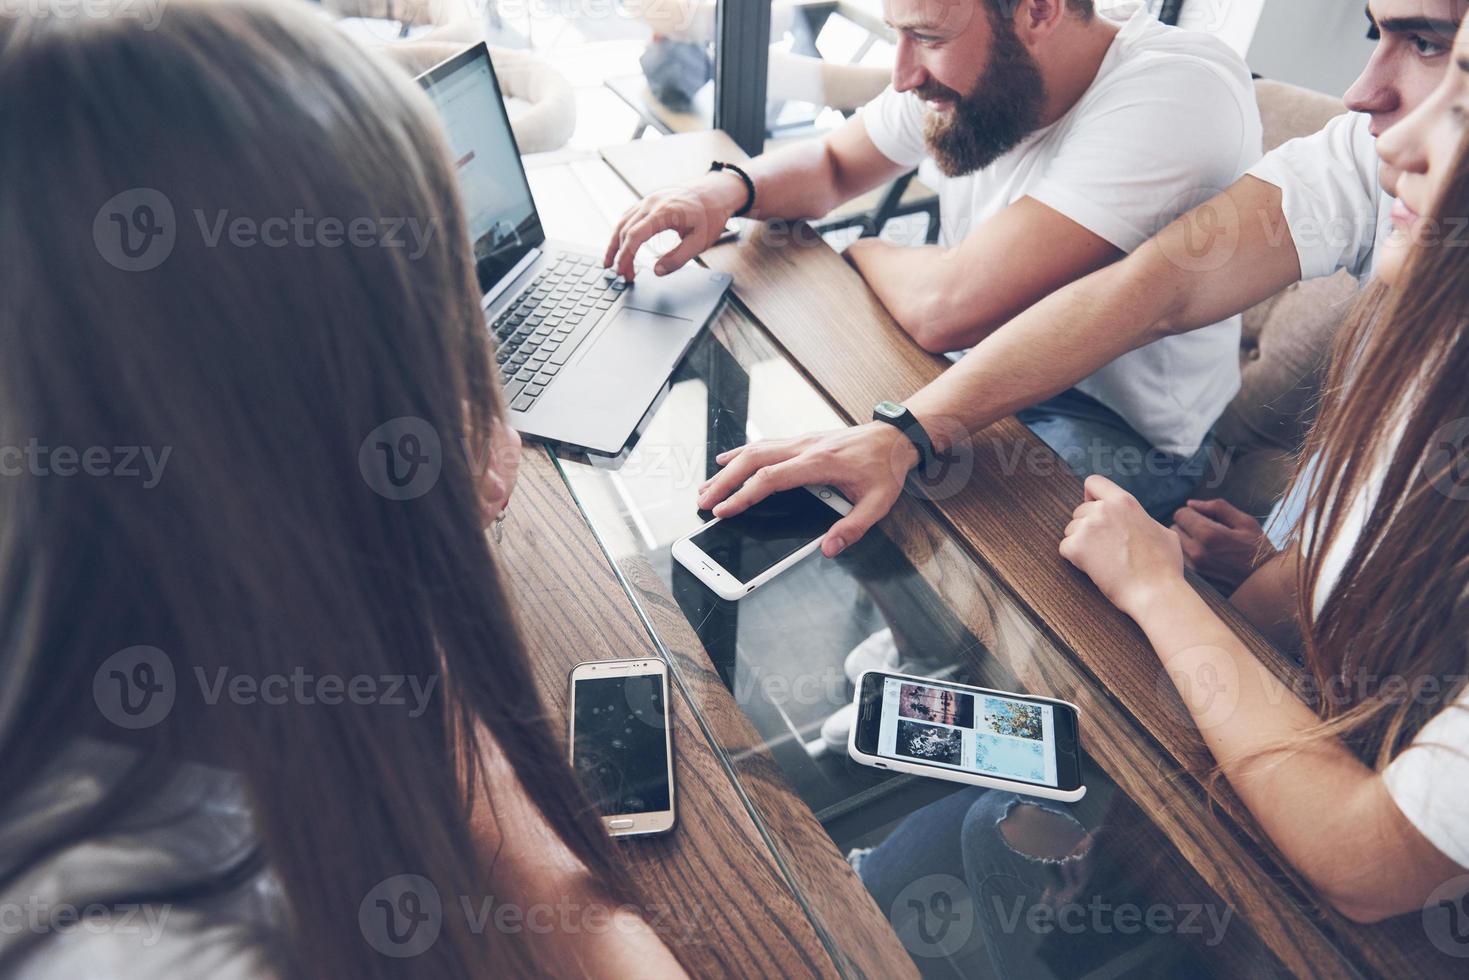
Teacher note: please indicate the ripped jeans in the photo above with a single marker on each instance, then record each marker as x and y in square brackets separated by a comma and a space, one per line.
[987, 883]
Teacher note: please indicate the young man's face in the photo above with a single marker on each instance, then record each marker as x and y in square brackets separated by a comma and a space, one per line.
[983, 90]
[1422, 152]
[1414, 37]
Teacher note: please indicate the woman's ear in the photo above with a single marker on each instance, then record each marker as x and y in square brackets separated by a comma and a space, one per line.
[501, 467]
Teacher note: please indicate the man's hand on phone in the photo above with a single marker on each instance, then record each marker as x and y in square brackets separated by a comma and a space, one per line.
[866, 463]
[697, 211]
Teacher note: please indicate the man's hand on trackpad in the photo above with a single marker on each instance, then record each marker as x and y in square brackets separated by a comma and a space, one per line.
[697, 212]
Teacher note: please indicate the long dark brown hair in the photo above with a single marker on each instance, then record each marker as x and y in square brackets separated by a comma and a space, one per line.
[262, 549]
[1390, 645]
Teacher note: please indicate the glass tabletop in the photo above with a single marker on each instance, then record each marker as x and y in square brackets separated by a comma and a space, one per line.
[959, 871]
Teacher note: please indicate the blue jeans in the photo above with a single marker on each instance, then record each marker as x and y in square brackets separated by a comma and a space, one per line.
[974, 893]
[1091, 438]
[1291, 508]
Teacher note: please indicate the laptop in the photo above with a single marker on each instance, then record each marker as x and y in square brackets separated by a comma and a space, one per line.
[582, 354]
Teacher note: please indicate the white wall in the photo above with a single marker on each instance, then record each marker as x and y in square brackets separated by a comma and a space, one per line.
[1320, 44]
[1232, 20]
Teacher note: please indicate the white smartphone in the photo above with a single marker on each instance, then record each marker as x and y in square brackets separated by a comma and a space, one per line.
[622, 743]
[735, 556]
[968, 734]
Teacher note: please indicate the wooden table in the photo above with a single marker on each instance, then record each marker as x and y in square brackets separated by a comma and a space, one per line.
[722, 899]
[752, 878]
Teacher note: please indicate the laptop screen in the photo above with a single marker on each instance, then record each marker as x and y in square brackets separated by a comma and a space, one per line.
[503, 224]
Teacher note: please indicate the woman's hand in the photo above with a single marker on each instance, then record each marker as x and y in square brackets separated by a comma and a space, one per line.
[498, 479]
[1131, 557]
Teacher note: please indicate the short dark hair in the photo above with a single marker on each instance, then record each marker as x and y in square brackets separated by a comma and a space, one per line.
[1086, 9]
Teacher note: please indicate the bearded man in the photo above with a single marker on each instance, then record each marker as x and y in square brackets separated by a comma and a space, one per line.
[1058, 140]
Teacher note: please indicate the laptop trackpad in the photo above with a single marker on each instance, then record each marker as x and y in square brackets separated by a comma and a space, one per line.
[613, 377]
[636, 343]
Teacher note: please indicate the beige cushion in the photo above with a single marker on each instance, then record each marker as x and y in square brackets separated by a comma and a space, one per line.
[1285, 343]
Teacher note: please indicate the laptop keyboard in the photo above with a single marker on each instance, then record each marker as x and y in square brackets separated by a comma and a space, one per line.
[536, 334]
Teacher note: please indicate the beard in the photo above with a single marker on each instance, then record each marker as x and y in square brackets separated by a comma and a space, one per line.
[1005, 106]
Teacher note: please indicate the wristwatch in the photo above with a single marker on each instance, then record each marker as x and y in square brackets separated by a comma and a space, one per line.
[907, 423]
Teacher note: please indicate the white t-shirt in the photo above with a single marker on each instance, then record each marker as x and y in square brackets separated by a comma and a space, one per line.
[1169, 121]
[1429, 781]
[1337, 212]
[1333, 203]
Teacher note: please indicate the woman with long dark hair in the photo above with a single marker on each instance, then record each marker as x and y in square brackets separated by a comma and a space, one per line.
[1363, 785]
[263, 705]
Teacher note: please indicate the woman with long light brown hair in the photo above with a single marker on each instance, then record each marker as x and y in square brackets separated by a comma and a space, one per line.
[1364, 784]
[263, 710]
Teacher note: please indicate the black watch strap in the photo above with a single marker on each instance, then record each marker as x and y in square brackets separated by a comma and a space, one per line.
[719, 165]
[907, 423]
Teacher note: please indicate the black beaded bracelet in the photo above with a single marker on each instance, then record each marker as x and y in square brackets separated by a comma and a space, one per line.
[717, 166]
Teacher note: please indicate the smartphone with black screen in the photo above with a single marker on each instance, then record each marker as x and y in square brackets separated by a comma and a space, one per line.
[967, 734]
[736, 555]
[621, 743]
